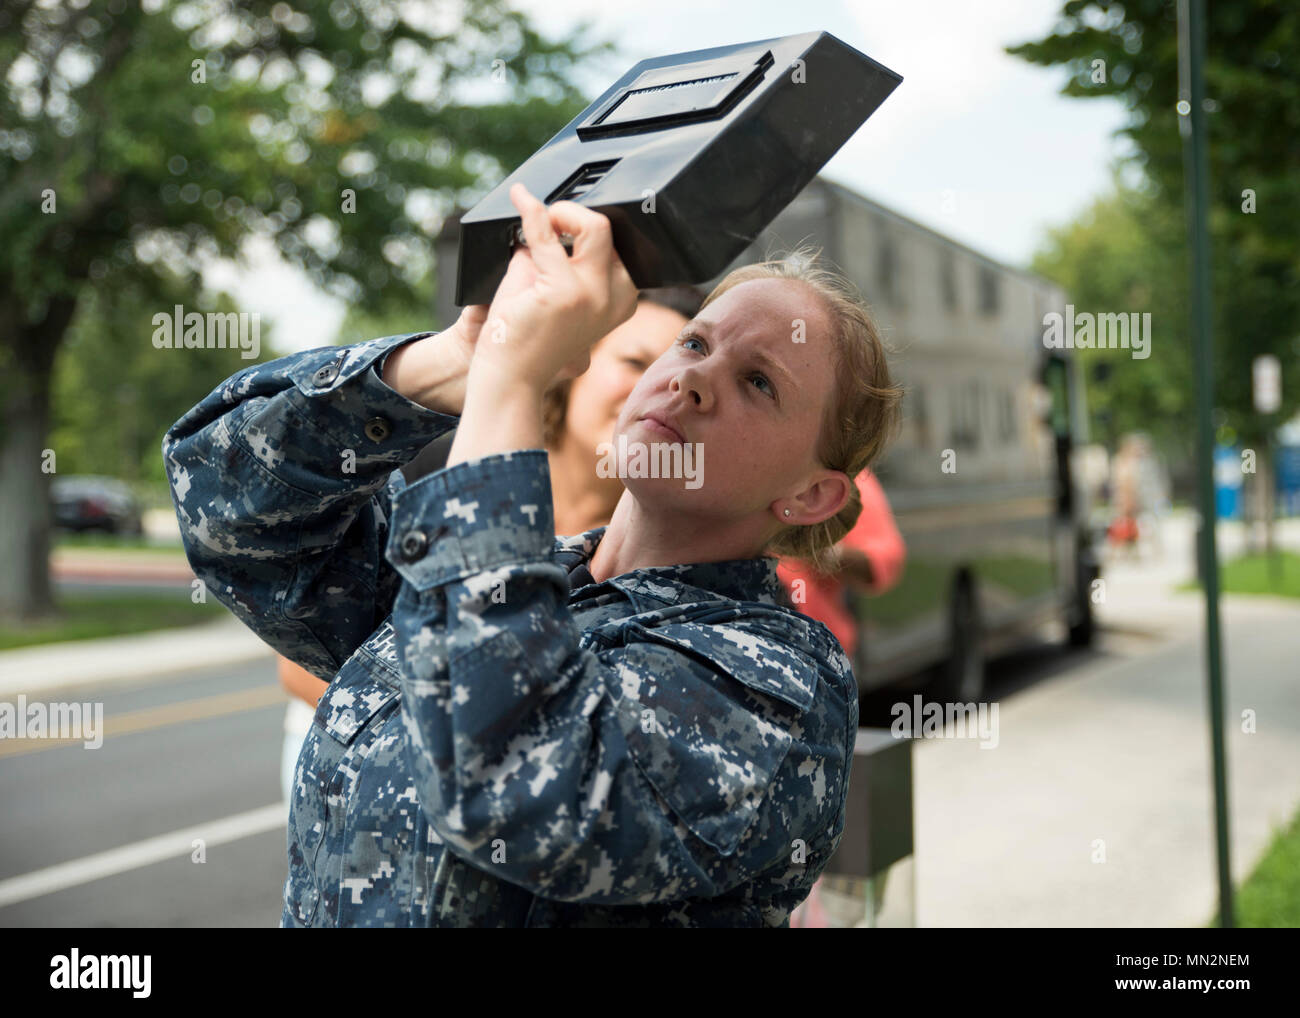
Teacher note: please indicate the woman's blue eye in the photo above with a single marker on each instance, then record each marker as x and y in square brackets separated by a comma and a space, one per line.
[769, 389]
[689, 339]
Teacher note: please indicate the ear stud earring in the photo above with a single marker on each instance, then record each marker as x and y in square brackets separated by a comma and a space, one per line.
[787, 512]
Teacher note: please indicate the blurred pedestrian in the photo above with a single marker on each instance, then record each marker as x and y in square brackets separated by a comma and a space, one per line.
[1126, 495]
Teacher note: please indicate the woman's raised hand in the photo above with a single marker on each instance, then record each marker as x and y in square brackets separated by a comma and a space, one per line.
[552, 307]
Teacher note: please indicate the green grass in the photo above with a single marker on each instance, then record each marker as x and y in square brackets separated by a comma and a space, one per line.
[86, 618]
[1270, 897]
[1253, 574]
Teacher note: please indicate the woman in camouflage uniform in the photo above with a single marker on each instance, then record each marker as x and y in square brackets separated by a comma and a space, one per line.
[624, 727]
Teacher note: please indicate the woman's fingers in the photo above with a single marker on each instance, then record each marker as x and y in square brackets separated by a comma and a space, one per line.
[543, 244]
[595, 257]
[592, 285]
[592, 240]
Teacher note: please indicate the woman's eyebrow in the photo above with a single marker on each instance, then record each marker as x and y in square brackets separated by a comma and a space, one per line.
[762, 356]
[765, 358]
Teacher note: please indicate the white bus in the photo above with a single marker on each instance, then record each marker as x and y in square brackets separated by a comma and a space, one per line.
[980, 477]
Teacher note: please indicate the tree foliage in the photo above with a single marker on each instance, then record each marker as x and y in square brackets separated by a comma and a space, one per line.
[1128, 51]
[141, 141]
[1125, 252]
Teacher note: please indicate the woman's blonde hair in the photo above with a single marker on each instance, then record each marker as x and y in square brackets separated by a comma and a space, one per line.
[862, 416]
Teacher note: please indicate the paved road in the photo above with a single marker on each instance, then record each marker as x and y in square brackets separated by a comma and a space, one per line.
[200, 747]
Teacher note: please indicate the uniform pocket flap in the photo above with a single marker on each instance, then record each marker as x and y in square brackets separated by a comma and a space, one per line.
[754, 659]
[711, 749]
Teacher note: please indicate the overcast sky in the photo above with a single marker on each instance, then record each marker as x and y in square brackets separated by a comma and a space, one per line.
[974, 143]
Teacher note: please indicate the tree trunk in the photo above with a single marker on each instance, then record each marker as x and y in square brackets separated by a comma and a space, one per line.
[25, 514]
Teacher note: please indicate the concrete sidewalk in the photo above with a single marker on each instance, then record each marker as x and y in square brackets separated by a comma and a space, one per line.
[1095, 809]
[124, 659]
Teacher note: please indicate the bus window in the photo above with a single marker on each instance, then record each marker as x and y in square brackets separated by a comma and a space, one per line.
[920, 417]
[964, 417]
[1056, 378]
[887, 271]
[948, 280]
[988, 290]
[1007, 418]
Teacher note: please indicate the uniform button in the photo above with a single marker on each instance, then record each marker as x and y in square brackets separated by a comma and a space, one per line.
[327, 374]
[414, 544]
[378, 428]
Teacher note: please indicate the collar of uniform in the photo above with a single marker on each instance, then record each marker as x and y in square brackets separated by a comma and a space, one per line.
[750, 579]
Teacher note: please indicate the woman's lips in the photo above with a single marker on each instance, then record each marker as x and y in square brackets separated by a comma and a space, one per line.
[662, 429]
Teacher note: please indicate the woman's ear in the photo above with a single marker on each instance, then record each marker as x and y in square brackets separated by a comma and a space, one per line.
[827, 493]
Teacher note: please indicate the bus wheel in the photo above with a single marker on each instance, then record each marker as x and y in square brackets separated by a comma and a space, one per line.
[961, 677]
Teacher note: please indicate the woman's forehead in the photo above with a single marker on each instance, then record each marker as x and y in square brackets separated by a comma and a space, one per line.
[766, 307]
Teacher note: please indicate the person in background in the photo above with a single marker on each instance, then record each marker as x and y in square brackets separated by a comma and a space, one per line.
[1126, 495]
[868, 558]
[578, 415]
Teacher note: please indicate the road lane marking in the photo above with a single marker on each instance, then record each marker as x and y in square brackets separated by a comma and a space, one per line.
[142, 853]
[150, 718]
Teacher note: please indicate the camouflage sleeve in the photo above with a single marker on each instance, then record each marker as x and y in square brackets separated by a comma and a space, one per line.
[635, 765]
[279, 480]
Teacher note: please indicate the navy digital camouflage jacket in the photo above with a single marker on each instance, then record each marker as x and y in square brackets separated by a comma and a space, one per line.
[504, 741]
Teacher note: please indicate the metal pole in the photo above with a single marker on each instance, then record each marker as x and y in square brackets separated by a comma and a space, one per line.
[1191, 124]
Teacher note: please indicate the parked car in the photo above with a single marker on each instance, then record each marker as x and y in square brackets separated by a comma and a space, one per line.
[95, 503]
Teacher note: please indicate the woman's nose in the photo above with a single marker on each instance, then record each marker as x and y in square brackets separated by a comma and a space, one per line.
[693, 384]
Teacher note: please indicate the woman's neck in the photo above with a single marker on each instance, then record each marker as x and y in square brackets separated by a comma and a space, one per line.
[639, 537]
[581, 500]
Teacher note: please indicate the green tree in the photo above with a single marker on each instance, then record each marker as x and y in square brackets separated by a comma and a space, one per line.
[115, 396]
[141, 141]
[1128, 51]
[1125, 252]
